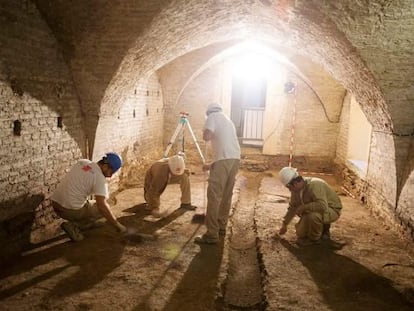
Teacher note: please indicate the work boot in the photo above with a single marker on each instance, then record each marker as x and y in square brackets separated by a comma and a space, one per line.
[326, 235]
[72, 231]
[188, 206]
[156, 213]
[147, 207]
[306, 242]
[90, 224]
[203, 239]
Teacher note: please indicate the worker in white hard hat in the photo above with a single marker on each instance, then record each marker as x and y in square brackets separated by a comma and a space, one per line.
[70, 199]
[161, 173]
[314, 201]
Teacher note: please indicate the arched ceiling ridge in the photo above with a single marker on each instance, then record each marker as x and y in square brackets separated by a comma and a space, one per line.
[200, 24]
[237, 48]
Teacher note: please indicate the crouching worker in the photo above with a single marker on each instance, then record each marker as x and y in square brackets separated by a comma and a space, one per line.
[166, 171]
[314, 201]
[70, 199]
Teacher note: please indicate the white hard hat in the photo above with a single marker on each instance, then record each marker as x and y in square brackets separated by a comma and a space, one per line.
[286, 175]
[176, 164]
[214, 107]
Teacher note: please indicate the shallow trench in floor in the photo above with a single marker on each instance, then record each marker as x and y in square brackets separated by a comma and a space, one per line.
[243, 285]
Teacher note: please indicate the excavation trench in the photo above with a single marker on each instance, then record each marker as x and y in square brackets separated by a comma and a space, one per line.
[243, 284]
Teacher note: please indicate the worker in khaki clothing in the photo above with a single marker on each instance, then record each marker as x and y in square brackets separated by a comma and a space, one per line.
[314, 201]
[161, 173]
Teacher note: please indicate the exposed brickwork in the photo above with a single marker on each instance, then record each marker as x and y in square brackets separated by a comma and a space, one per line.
[342, 142]
[315, 131]
[404, 210]
[136, 132]
[93, 63]
[382, 33]
[35, 89]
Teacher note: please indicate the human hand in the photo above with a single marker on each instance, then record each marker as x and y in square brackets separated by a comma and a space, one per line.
[283, 229]
[120, 228]
[300, 210]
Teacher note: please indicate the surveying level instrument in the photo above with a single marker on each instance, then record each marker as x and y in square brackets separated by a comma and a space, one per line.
[183, 123]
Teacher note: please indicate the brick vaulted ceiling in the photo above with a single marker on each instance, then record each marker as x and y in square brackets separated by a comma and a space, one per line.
[367, 45]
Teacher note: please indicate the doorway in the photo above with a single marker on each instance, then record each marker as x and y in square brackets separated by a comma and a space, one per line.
[248, 101]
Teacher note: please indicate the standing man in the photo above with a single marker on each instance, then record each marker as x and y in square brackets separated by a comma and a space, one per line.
[166, 171]
[70, 199]
[314, 201]
[220, 130]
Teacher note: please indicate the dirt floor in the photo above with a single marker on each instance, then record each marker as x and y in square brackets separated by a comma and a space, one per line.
[366, 266]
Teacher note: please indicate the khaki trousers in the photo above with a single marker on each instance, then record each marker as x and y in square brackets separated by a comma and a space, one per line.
[310, 225]
[185, 187]
[219, 193]
[153, 199]
[87, 214]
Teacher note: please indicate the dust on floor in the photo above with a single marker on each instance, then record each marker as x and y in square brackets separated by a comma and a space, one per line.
[367, 266]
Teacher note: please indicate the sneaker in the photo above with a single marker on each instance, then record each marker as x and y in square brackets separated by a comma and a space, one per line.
[205, 240]
[72, 231]
[188, 206]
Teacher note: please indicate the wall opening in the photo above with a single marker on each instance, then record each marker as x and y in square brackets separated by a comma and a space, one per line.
[248, 96]
[359, 138]
[248, 101]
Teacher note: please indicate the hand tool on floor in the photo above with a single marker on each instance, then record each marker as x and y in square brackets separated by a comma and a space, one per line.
[132, 235]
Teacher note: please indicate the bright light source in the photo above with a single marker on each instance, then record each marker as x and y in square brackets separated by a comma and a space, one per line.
[255, 62]
[250, 66]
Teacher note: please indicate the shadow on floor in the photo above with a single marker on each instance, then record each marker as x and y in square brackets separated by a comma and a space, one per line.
[197, 289]
[82, 265]
[138, 223]
[345, 284]
[75, 263]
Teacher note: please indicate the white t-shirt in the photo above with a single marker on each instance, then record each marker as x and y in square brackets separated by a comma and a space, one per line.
[84, 179]
[224, 143]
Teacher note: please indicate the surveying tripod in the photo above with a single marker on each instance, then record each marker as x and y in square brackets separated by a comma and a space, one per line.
[182, 124]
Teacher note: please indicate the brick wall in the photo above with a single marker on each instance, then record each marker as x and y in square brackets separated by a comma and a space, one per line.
[315, 135]
[113, 48]
[136, 132]
[35, 89]
[342, 141]
[405, 205]
[379, 188]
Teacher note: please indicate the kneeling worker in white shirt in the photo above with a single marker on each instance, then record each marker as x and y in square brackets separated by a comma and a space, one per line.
[70, 199]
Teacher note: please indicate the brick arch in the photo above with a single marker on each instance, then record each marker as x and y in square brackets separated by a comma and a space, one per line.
[179, 29]
[184, 26]
[324, 45]
[272, 53]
